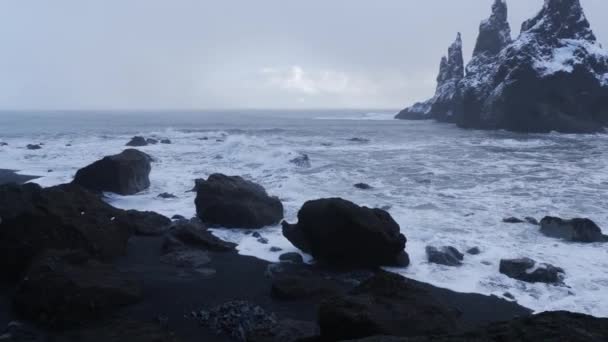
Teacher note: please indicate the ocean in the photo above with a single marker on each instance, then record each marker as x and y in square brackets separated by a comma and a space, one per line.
[442, 184]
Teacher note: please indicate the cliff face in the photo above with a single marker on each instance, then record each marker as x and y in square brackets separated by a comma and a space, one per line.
[553, 77]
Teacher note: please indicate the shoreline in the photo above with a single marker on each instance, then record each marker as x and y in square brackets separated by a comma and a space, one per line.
[12, 176]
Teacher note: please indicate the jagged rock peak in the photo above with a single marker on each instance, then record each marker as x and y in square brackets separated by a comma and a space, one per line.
[561, 19]
[494, 32]
[452, 66]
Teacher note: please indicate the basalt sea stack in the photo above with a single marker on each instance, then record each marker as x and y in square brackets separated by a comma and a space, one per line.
[553, 77]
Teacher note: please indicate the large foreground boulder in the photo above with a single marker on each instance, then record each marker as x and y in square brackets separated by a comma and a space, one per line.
[125, 173]
[64, 288]
[386, 304]
[528, 270]
[576, 230]
[546, 326]
[341, 233]
[62, 217]
[233, 202]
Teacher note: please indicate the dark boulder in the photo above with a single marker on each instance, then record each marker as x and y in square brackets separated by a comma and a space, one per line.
[576, 230]
[137, 142]
[2, 143]
[363, 186]
[275, 249]
[341, 233]
[166, 195]
[60, 217]
[63, 289]
[195, 236]
[474, 251]
[301, 161]
[386, 304]
[233, 202]
[512, 220]
[532, 220]
[165, 141]
[33, 147]
[446, 255]
[125, 173]
[146, 223]
[292, 257]
[526, 269]
[151, 141]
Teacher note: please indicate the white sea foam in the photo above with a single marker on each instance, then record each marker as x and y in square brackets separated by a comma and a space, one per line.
[444, 186]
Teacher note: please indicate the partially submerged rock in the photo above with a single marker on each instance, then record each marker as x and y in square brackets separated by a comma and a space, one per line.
[341, 233]
[33, 146]
[526, 269]
[301, 161]
[576, 230]
[146, 223]
[512, 220]
[445, 255]
[126, 173]
[293, 257]
[233, 202]
[63, 288]
[363, 186]
[137, 142]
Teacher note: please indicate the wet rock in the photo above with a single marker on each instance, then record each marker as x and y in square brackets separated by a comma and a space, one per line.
[341, 233]
[508, 295]
[237, 319]
[178, 218]
[446, 255]
[137, 142]
[363, 186]
[292, 257]
[532, 220]
[125, 173]
[576, 230]
[166, 195]
[275, 249]
[147, 223]
[2, 143]
[301, 161]
[193, 236]
[256, 235]
[512, 220]
[165, 141]
[302, 284]
[33, 147]
[151, 141]
[386, 304]
[61, 289]
[526, 269]
[233, 202]
[474, 251]
[60, 217]
[262, 240]
[359, 140]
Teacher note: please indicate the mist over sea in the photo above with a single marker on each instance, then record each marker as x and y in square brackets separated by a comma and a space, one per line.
[442, 184]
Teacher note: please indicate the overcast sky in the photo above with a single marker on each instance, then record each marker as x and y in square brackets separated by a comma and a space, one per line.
[202, 54]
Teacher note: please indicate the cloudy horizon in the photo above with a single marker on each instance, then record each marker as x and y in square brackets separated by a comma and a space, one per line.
[271, 54]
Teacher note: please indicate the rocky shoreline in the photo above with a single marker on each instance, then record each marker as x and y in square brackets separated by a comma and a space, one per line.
[78, 269]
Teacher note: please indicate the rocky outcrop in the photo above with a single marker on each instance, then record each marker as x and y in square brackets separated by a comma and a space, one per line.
[528, 270]
[61, 217]
[443, 104]
[61, 289]
[341, 233]
[446, 255]
[386, 304]
[576, 230]
[301, 161]
[126, 173]
[137, 142]
[553, 77]
[233, 202]
[144, 222]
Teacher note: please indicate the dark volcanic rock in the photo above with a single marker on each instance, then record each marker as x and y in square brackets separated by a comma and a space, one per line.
[301, 161]
[546, 326]
[62, 289]
[166, 195]
[532, 220]
[341, 233]
[233, 202]
[33, 147]
[151, 141]
[165, 141]
[553, 77]
[577, 230]
[512, 220]
[303, 283]
[363, 186]
[527, 270]
[144, 222]
[125, 173]
[474, 251]
[293, 257]
[60, 217]
[137, 142]
[447, 255]
[191, 235]
[238, 319]
[386, 304]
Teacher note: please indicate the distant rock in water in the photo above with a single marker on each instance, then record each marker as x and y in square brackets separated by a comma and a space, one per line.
[166, 195]
[137, 142]
[125, 173]
[576, 230]
[512, 220]
[341, 233]
[33, 147]
[301, 161]
[553, 77]
[528, 270]
[363, 186]
[151, 141]
[233, 202]
[447, 255]
[532, 220]
[474, 251]
[165, 141]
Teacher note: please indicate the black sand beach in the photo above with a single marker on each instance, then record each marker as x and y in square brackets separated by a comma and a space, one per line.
[10, 176]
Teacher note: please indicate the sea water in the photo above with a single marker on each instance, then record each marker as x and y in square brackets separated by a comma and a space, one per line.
[442, 184]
